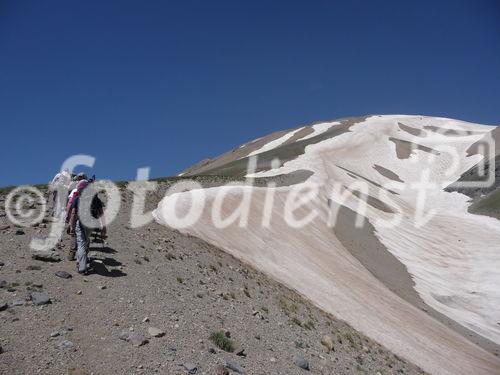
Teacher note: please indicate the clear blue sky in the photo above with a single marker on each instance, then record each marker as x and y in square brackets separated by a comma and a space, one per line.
[165, 84]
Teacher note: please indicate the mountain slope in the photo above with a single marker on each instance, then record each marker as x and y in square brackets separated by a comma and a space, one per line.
[428, 291]
[156, 277]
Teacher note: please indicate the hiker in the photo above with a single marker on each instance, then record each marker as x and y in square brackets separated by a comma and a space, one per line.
[97, 212]
[59, 187]
[74, 181]
[72, 191]
[77, 229]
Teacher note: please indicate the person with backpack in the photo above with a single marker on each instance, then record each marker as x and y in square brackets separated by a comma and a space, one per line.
[97, 211]
[77, 229]
[59, 187]
[72, 192]
[76, 226]
[74, 182]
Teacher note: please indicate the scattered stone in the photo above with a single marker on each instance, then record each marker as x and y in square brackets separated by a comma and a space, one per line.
[46, 256]
[240, 352]
[2, 264]
[3, 284]
[1, 349]
[234, 367]
[18, 302]
[19, 232]
[155, 332]
[301, 362]
[137, 340]
[4, 227]
[3, 306]
[190, 367]
[221, 370]
[124, 335]
[39, 298]
[63, 275]
[101, 287]
[66, 344]
[327, 342]
[212, 351]
[134, 338]
[145, 320]
[33, 268]
[79, 292]
[55, 334]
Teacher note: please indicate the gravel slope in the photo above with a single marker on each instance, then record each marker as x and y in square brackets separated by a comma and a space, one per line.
[156, 277]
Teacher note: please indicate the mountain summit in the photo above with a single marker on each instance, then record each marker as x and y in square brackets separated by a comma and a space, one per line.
[374, 219]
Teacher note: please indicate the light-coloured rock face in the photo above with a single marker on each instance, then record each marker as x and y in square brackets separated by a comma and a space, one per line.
[452, 256]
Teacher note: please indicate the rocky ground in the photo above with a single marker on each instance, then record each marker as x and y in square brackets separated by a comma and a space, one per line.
[160, 302]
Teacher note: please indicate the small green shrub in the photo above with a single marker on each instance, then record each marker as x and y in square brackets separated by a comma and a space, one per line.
[219, 338]
[213, 268]
[309, 325]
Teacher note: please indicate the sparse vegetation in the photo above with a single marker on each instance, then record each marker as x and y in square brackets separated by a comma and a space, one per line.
[246, 291]
[309, 325]
[213, 268]
[350, 337]
[286, 306]
[6, 190]
[220, 339]
[296, 321]
[169, 256]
